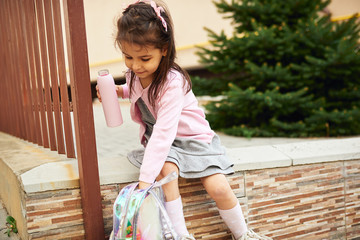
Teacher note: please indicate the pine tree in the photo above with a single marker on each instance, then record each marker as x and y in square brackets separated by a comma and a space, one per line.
[287, 70]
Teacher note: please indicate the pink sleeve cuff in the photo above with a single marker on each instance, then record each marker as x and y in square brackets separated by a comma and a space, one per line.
[125, 91]
[145, 178]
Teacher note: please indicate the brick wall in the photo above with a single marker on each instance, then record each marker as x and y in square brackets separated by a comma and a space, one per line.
[55, 215]
[315, 201]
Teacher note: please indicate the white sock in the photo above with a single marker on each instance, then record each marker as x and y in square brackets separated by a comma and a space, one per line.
[175, 211]
[235, 220]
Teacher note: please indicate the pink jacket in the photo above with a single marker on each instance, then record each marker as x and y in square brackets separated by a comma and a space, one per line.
[177, 114]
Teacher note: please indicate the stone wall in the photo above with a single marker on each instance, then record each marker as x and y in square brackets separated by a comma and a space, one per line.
[55, 215]
[312, 201]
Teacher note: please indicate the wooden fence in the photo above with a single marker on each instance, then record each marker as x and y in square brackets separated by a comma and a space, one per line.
[35, 102]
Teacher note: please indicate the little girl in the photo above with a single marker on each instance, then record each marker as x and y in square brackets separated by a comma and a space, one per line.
[173, 128]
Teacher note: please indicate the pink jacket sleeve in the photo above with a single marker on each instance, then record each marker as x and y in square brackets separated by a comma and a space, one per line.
[164, 131]
[125, 91]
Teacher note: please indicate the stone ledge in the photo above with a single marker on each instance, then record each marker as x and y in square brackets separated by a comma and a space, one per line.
[51, 176]
[322, 151]
[259, 157]
[64, 174]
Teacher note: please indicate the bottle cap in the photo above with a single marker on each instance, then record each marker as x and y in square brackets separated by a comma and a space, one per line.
[103, 72]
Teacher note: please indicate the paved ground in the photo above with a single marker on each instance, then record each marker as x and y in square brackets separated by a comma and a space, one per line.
[120, 140]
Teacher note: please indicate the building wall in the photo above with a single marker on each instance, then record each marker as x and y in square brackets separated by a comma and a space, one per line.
[190, 17]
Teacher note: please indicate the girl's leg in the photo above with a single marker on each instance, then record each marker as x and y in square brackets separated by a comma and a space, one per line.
[173, 202]
[219, 189]
[171, 189]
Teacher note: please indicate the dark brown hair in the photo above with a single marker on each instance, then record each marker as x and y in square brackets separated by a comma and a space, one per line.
[140, 25]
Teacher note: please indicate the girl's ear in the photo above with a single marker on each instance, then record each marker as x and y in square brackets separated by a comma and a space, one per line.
[164, 51]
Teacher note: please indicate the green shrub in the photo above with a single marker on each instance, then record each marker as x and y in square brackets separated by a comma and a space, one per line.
[287, 70]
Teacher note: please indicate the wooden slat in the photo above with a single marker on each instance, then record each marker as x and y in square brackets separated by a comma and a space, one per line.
[26, 74]
[54, 76]
[4, 60]
[20, 73]
[14, 82]
[45, 73]
[83, 119]
[19, 69]
[31, 55]
[70, 151]
[40, 93]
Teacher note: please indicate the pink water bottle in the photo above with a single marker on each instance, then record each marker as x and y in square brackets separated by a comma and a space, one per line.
[109, 99]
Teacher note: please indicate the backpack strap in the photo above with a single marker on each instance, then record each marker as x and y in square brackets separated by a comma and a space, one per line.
[120, 207]
[168, 229]
[168, 178]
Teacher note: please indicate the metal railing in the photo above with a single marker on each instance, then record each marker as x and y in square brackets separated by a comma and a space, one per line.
[35, 102]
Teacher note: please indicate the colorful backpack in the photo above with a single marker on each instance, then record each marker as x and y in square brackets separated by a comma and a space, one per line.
[139, 214]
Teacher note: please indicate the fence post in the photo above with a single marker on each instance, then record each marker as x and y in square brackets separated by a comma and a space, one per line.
[84, 120]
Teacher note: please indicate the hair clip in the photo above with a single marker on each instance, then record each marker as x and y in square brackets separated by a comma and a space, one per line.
[158, 11]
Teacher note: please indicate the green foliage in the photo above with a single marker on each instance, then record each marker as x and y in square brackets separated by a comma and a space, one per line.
[11, 225]
[286, 71]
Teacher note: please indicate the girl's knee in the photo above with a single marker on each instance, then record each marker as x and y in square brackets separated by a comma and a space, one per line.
[219, 192]
[217, 187]
[168, 168]
[171, 189]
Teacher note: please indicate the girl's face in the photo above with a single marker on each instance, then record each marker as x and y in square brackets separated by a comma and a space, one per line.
[143, 61]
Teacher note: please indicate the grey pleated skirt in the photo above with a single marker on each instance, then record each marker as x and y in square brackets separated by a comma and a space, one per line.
[194, 158]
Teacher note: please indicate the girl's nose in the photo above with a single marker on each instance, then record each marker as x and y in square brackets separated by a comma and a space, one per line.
[136, 65]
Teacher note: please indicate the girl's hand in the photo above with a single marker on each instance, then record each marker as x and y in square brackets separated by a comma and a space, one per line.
[98, 92]
[143, 185]
[118, 88]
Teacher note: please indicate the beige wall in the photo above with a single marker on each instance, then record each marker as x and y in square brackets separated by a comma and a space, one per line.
[344, 7]
[189, 16]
